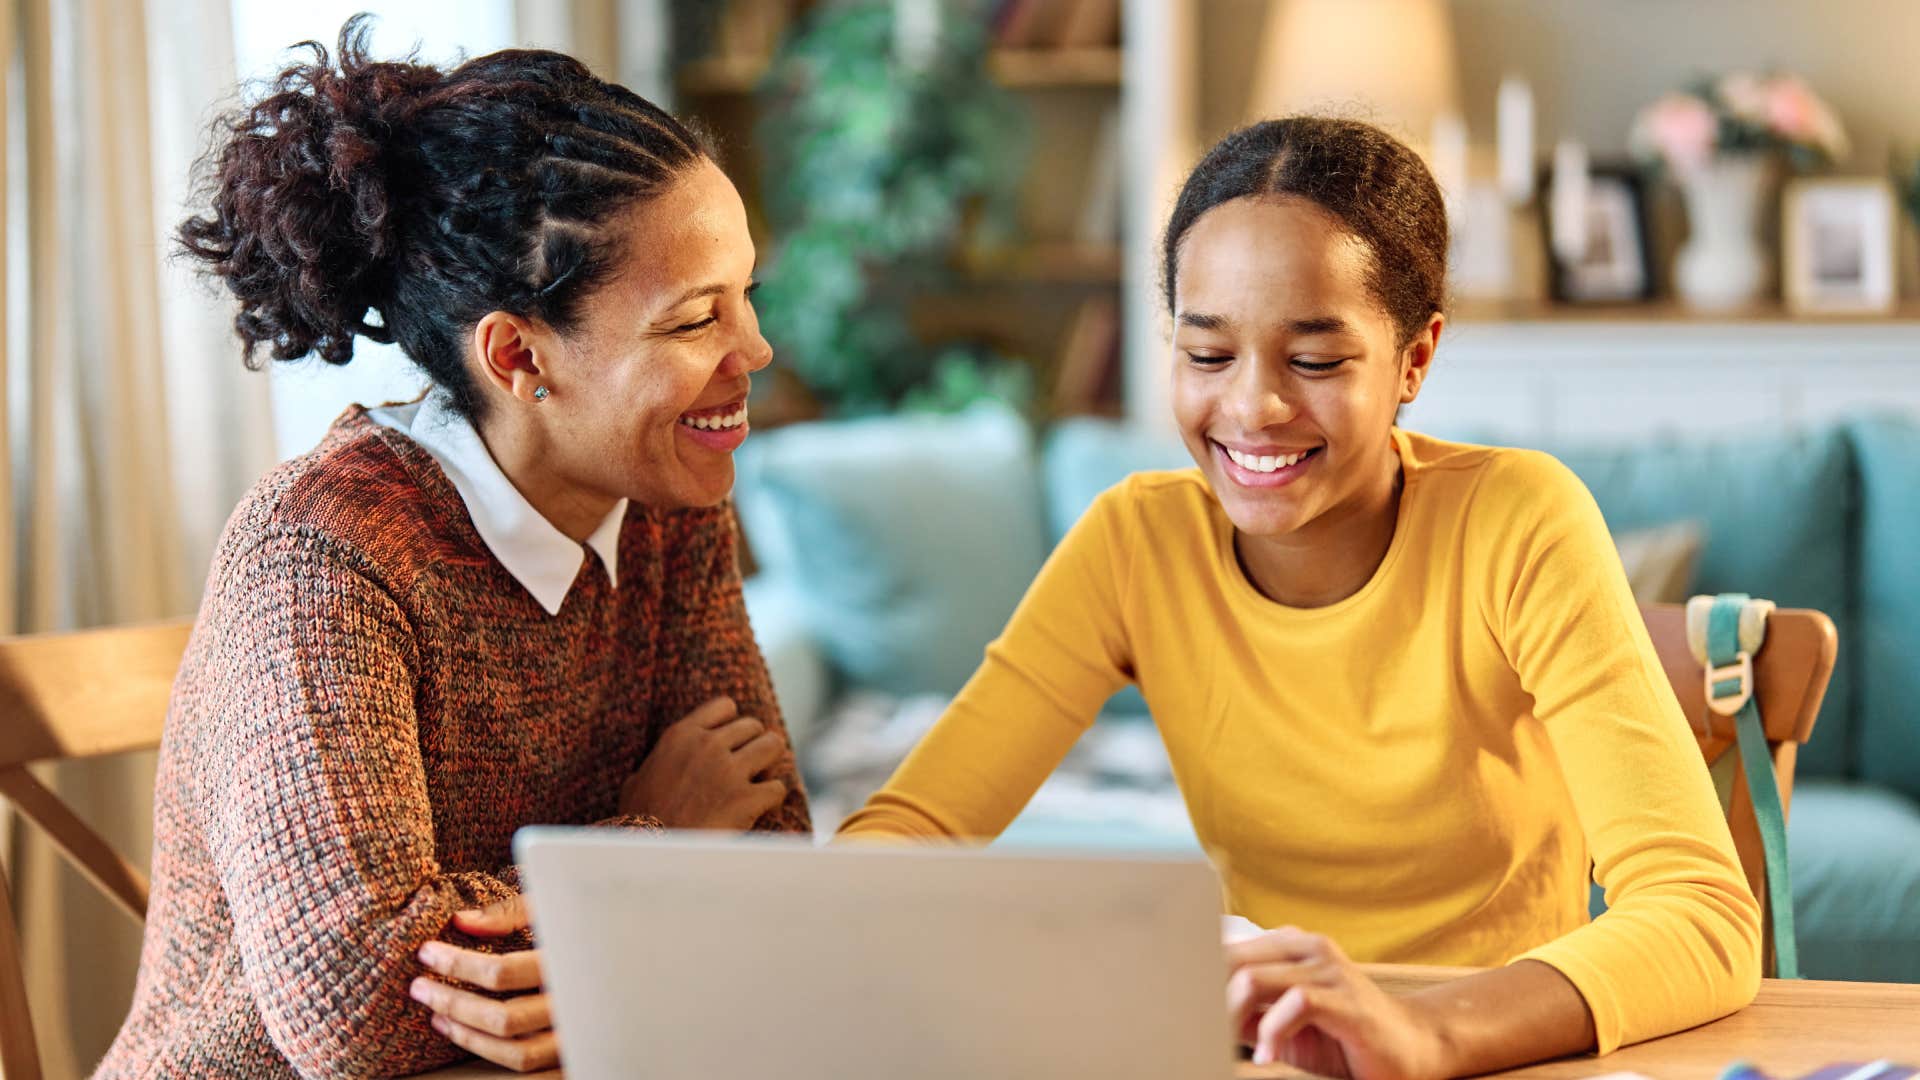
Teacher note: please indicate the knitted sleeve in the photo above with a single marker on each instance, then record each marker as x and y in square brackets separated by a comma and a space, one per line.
[707, 648]
[314, 799]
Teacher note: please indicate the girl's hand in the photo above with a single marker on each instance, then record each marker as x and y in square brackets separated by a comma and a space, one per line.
[516, 1032]
[713, 769]
[1296, 998]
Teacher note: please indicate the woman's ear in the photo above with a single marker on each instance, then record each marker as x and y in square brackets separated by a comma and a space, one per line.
[1417, 358]
[513, 354]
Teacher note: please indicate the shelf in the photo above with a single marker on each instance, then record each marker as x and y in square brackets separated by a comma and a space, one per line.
[717, 75]
[1015, 69]
[1035, 68]
[1666, 312]
[1056, 263]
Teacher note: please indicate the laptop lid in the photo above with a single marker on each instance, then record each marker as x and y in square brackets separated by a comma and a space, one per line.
[764, 957]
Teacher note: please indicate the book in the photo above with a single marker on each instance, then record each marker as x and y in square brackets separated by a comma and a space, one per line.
[1029, 24]
[1086, 377]
[1088, 24]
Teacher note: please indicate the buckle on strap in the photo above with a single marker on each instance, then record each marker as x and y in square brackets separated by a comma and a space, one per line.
[1729, 700]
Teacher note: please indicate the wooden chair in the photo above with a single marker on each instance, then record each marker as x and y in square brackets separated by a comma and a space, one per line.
[1790, 674]
[65, 697]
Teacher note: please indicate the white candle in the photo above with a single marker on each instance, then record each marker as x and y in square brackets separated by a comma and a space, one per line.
[1514, 111]
[1450, 160]
[916, 31]
[1567, 209]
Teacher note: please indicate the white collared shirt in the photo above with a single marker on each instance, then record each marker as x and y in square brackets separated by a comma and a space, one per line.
[539, 556]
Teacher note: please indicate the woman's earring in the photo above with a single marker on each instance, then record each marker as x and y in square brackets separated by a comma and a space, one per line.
[540, 393]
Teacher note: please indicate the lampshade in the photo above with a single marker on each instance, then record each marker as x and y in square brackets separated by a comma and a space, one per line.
[1386, 61]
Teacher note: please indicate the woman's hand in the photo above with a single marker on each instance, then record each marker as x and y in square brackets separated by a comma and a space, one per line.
[1296, 998]
[516, 1032]
[713, 769]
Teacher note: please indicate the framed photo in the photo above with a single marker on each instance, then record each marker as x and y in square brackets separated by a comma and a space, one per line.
[1615, 264]
[1838, 239]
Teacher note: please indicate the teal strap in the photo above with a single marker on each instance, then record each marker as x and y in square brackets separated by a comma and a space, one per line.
[1723, 651]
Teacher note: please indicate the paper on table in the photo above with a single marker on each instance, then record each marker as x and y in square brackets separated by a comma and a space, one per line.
[1234, 928]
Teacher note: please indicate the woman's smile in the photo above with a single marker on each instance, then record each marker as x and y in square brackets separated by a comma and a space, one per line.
[721, 428]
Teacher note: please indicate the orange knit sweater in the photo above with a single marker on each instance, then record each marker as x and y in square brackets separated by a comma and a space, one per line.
[369, 707]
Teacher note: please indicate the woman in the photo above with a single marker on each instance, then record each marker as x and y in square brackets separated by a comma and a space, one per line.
[1403, 684]
[515, 601]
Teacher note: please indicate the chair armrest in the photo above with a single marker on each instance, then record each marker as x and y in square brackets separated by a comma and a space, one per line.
[801, 678]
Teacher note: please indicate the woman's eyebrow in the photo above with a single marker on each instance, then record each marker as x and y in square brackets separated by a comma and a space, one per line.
[715, 289]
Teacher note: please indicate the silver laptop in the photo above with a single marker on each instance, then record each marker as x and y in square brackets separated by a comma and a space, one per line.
[767, 958]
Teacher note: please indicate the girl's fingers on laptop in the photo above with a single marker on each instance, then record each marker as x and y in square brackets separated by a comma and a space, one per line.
[518, 970]
[1288, 944]
[1253, 988]
[528, 1054]
[527, 1014]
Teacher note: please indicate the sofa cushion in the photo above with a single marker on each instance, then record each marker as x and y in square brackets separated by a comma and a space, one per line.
[1886, 641]
[910, 538]
[1777, 513]
[1855, 853]
[1086, 456]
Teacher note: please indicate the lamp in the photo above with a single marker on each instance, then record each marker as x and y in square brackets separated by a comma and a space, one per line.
[1392, 57]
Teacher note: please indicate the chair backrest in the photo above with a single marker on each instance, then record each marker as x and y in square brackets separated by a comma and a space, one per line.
[1790, 674]
[64, 697]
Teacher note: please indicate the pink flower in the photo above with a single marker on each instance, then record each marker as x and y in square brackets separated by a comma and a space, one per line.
[1678, 127]
[1798, 115]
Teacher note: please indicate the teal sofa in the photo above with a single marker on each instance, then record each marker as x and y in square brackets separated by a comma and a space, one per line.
[892, 550]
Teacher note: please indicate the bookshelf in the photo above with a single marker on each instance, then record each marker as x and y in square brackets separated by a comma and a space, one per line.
[1056, 292]
[1015, 69]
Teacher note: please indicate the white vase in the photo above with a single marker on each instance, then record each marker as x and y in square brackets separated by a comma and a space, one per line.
[1723, 264]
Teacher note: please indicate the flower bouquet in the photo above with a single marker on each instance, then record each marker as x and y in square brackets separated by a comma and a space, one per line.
[1722, 140]
[1738, 114]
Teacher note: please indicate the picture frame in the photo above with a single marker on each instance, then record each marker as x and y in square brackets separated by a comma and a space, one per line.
[1617, 266]
[1838, 240]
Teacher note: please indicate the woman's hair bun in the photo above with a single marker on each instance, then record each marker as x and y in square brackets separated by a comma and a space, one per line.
[353, 186]
[302, 212]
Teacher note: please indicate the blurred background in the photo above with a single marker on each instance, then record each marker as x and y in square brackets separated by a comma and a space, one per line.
[1684, 261]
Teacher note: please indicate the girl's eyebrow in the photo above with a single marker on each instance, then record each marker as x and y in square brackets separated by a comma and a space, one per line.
[1321, 324]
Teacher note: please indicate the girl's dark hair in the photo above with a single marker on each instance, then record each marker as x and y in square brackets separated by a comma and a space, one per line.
[1370, 182]
[430, 197]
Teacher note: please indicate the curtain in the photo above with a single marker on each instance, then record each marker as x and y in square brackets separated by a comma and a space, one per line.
[132, 428]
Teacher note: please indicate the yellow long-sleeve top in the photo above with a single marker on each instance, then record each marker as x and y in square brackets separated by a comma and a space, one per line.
[1421, 771]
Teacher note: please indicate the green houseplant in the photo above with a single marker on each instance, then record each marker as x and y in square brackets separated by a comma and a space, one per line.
[885, 145]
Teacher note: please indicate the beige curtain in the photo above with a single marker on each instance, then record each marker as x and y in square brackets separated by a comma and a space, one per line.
[132, 427]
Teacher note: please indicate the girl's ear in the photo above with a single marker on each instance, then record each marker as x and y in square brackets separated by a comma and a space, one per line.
[1417, 358]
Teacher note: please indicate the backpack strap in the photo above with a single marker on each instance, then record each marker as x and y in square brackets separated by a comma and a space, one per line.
[1724, 632]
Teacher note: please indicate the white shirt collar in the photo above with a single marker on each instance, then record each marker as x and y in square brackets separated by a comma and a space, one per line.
[541, 557]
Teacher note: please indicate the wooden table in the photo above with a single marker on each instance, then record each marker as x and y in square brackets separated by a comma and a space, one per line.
[1791, 1029]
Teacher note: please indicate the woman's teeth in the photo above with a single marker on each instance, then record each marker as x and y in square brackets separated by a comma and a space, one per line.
[717, 423]
[1264, 463]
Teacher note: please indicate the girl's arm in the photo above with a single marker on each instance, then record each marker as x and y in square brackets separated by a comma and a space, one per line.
[1062, 655]
[1680, 942]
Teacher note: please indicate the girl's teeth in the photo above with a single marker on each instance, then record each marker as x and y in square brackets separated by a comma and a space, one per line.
[1264, 463]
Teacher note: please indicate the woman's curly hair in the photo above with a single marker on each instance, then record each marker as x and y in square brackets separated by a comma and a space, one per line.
[427, 197]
